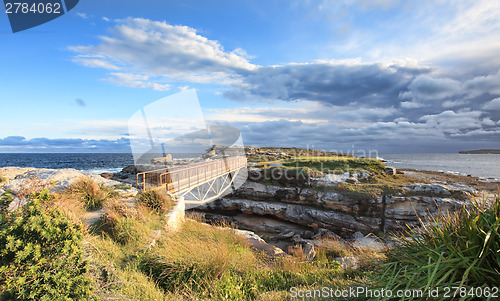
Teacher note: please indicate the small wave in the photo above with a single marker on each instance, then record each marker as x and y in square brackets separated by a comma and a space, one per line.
[104, 170]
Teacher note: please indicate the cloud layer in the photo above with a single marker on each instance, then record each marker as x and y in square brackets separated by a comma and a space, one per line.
[449, 99]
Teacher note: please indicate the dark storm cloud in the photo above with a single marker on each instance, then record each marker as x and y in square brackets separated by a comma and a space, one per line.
[335, 83]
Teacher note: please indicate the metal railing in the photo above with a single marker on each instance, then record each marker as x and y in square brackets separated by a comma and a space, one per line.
[179, 179]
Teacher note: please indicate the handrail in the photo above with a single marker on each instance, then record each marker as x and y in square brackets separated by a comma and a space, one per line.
[203, 172]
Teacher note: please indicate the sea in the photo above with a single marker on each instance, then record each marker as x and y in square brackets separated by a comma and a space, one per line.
[483, 166]
[92, 162]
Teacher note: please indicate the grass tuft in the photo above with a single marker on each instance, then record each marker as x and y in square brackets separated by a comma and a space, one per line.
[155, 199]
[451, 250]
[91, 193]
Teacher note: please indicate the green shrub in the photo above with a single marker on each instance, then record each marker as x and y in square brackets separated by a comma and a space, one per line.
[41, 256]
[92, 194]
[5, 199]
[457, 250]
[156, 200]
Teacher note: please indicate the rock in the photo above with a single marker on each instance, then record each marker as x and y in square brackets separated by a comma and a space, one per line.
[285, 235]
[55, 179]
[326, 234]
[351, 180]
[309, 251]
[162, 160]
[299, 214]
[348, 263]
[307, 234]
[209, 154]
[107, 175]
[369, 242]
[257, 243]
[390, 170]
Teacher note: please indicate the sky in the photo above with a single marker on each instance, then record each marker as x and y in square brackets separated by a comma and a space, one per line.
[386, 75]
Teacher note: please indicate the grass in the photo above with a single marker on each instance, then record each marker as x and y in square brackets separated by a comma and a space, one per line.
[156, 199]
[332, 164]
[199, 262]
[451, 250]
[226, 268]
[92, 194]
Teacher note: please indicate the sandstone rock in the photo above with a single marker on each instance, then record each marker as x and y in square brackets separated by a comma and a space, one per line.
[309, 251]
[348, 263]
[55, 179]
[162, 160]
[390, 170]
[369, 242]
[307, 234]
[285, 235]
[303, 215]
[106, 175]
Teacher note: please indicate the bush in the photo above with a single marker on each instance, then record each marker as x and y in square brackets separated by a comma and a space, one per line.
[5, 199]
[458, 250]
[156, 200]
[91, 193]
[41, 256]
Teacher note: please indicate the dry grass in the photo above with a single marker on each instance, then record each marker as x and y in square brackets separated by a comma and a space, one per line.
[92, 194]
[156, 199]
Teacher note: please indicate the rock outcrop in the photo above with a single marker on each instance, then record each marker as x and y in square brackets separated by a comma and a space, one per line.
[336, 212]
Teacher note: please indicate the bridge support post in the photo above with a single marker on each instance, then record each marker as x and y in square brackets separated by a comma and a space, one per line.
[176, 217]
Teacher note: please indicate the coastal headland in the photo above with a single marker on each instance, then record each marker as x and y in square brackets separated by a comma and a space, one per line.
[316, 217]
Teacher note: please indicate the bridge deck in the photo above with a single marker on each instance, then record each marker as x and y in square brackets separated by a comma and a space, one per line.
[180, 179]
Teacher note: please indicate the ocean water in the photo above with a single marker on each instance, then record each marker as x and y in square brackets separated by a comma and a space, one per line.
[95, 163]
[483, 166]
[92, 162]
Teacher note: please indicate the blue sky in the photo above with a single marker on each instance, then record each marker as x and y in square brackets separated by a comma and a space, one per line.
[386, 75]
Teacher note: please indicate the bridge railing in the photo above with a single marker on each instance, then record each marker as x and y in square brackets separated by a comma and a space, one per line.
[182, 178]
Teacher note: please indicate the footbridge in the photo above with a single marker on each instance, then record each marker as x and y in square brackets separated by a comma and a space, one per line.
[196, 183]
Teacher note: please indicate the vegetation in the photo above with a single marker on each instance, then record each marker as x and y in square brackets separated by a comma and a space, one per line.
[452, 250]
[155, 199]
[125, 264]
[92, 194]
[130, 255]
[344, 164]
[5, 199]
[41, 256]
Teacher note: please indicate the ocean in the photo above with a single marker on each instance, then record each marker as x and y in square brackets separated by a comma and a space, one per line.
[95, 163]
[483, 166]
[91, 162]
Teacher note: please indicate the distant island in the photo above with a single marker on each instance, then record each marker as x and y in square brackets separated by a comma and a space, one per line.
[481, 151]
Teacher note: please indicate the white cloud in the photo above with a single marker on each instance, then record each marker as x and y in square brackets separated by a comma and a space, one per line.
[136, 80]
[454, 103]
[83, 15]
[411, 105]
[158, 49]
[452, 122]
[494, 104]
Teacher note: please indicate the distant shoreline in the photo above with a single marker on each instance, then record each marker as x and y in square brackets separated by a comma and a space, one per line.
[481, 152]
